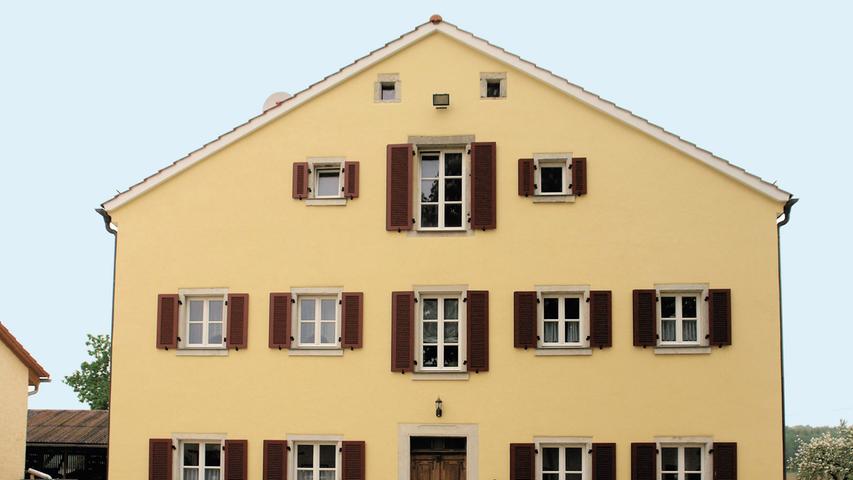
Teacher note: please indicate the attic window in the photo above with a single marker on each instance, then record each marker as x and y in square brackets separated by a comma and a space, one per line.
[493, 85]
[387, 88]
[388, 91]
[493, 88]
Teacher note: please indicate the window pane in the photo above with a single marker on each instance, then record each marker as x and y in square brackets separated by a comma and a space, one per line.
[306, 332]
[669, 476]
[552, 179]
[215, 314]
[328, 307]
[211, 474]
[493, 89]
[693, 476]
[451, 308]
[453, 215]
[453, 164]
[327, 332]
[451, 356]
[451, 332]
[430, 332]
[574, 476]
[196, 309]
[429, 216]
[669, 459]
[667, 307]
[191, 454]
[573, 332]
[327, 456]
[389, 92]
[306, 309]
[668, 333]
[551, 334]
[429, 190]
[550, 459]
[689, 330]
[550, 476]
[214, 334]
[453, 189]
[304, 475]
[211, 454]
[551, 308]
[688, 307]
[328, 184]
[430, 308]
[573, 308]
[573, 460]
[195, 333]
[305, 456]
[692, 459]
[429, 166]
[327, 475]
[430, 356]
[190, 474]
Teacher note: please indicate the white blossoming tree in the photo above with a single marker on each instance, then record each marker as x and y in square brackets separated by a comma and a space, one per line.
[827, 457]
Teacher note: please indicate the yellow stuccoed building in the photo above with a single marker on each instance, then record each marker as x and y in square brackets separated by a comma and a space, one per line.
[443, 262]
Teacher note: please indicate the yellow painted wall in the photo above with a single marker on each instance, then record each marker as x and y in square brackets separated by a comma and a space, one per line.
[652, 215]
[14, 381]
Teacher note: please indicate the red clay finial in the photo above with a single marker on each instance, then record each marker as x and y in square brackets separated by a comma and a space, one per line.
[436, 19]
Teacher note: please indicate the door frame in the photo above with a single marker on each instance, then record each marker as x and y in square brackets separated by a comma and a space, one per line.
[406, 431]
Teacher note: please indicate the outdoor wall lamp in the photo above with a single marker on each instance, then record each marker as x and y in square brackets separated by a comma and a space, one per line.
[438, 411]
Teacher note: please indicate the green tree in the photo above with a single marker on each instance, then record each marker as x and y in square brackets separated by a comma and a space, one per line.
[92, 382]
[827, 456]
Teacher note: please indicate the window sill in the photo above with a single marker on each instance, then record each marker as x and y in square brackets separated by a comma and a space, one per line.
[452, 376]
[694, 350]
[316, 352]
[202, 352]
[441, 233]
[553, 199]
[568, 352]
[325, 202]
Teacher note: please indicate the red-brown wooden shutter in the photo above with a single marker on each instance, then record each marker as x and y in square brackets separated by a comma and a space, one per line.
[275, 460]
[483, 185]
[352, 317]
[160, 459]
[478, 330]
[351, 173]
[238, 320]
[579, 176]
[167, 321]
[352, 460]
[644, 464]
[600, 319]
[280, 320]
[522, 461]
[645, 318]
[236, 459]
[720, 316]
[725, 461]
[526, 187]
[402, 331]
[524, 319]
[300, 180]
[603, 461]
[398, 187]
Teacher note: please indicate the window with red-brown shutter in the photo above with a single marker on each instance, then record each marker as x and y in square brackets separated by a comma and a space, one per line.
[398, 187]
[167, 321]
[160, 459]
[524, 320]
[352, 460]
[645, 318]
[720, 317]
[483, 185]
[351, 179]
[478, 330]
[352, 315]
[644, 461]
[402, 331]
[600, 319]
[522, 461]
[238, 320]
[725, 461]
[280, 320]
[236, 459]
[603, 461]
[275, 460]
[579, 183]
[300, 180]
[526, 185]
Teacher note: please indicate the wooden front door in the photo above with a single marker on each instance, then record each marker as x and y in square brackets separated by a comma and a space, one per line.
[438, 466]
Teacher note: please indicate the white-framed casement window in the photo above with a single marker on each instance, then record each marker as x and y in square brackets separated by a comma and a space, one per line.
[440, 331]
[316, 460]
[552, 175]
[441, 190]
[203, 318]
[682, 315]
[682, 461]
[200, 460]
[317, 318]
[563, 316]
[563, 458]
[326, 177]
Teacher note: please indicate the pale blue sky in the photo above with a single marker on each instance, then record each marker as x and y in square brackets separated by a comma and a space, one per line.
[95, 96]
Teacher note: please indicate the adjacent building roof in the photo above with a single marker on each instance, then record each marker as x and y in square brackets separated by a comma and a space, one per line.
[437, 25]
[68, 427]
[37, 372]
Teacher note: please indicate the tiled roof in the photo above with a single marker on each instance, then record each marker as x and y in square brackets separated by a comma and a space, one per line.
[72, 427]
[37, 372]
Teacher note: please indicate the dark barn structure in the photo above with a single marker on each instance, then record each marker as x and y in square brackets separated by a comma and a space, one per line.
[68, 444]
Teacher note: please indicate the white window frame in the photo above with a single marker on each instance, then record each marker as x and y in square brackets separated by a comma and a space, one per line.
[700, 291]
[705, 443]
[563, 291]
[564, 160]
[299, 294]
[315, 165]
[584, 443]
[316, 443]
[441, 177]
[441, 293]
[185, 295]
[201, 454]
